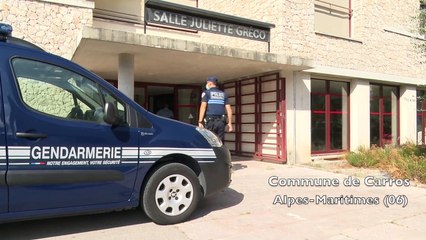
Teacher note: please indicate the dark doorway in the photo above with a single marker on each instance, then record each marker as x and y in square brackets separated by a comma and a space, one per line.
[160, 99]
[182, 100]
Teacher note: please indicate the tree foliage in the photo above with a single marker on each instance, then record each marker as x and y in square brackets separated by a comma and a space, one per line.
[422, 17]
[422, 24]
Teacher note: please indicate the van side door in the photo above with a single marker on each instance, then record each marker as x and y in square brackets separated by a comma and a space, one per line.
[62, 152]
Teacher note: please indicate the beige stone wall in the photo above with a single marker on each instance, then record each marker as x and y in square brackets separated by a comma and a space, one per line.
[376, 49]
[297, 37]
[54, 27]
[371, 49]
[265, 11]
[293, 34]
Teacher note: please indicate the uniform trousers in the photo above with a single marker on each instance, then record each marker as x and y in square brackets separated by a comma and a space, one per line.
[216, 125]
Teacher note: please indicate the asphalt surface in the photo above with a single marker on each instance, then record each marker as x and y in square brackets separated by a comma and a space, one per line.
[246, 210]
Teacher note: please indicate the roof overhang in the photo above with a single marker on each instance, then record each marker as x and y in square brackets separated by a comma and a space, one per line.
[167, 60]
[371, 76]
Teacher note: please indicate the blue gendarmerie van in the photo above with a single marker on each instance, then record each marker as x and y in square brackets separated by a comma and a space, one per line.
[71, 143]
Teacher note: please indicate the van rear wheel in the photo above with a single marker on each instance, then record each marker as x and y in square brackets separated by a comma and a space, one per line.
[171, 194]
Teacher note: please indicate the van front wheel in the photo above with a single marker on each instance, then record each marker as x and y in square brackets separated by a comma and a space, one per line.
[171, 194]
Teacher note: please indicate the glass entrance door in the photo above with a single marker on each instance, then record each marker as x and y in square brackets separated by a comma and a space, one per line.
[187, 99]
[180, 102]
[140, 96]
[161, 100]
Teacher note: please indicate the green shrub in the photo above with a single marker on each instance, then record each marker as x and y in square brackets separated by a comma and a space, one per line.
[362, 158]
[406, 161]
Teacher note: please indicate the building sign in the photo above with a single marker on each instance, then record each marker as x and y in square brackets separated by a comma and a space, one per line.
[186, 21]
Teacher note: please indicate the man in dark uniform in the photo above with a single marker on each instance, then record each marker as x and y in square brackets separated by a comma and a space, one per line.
[215, 109]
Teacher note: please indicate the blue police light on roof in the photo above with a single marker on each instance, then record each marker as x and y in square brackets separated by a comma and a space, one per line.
[6, 36]
[5, 31]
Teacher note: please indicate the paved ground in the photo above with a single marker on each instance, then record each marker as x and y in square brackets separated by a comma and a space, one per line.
[246, 211]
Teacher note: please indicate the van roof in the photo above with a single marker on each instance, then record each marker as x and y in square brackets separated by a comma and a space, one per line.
[23, 43]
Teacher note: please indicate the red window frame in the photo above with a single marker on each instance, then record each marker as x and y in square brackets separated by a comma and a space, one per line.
[383, 138]
[421, 115]
[328, 113]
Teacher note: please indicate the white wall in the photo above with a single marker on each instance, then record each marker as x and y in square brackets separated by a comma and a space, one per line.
[359, 114]
[298, 116]
[407, 115]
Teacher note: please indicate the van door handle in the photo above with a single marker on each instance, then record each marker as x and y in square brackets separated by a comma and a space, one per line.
[31, 135]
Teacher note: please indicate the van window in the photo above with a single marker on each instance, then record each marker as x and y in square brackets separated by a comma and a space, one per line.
[58, 92]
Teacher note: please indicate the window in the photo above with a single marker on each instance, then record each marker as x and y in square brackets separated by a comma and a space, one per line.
[333, 17]
[421, 117]
[384, 104]
[329, 116]
[124, 11]
[58, 92]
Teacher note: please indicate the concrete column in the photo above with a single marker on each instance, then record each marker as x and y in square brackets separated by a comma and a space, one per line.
[359, 114]
[126, 77]
[298, 116]
[290, 116]
[407, 114]
[394, 118]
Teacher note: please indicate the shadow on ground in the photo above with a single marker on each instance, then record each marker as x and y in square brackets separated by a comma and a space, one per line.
[71, 225]
[226, 199]
[238, 166]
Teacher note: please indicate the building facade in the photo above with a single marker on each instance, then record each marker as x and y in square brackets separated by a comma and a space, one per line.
[305, 78]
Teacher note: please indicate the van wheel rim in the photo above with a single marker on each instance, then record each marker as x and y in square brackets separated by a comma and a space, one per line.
[174, 195]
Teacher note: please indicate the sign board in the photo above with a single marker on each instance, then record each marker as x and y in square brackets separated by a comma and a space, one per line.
[201, 23]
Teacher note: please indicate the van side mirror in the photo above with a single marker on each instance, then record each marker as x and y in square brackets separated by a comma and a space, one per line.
[111, 114]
